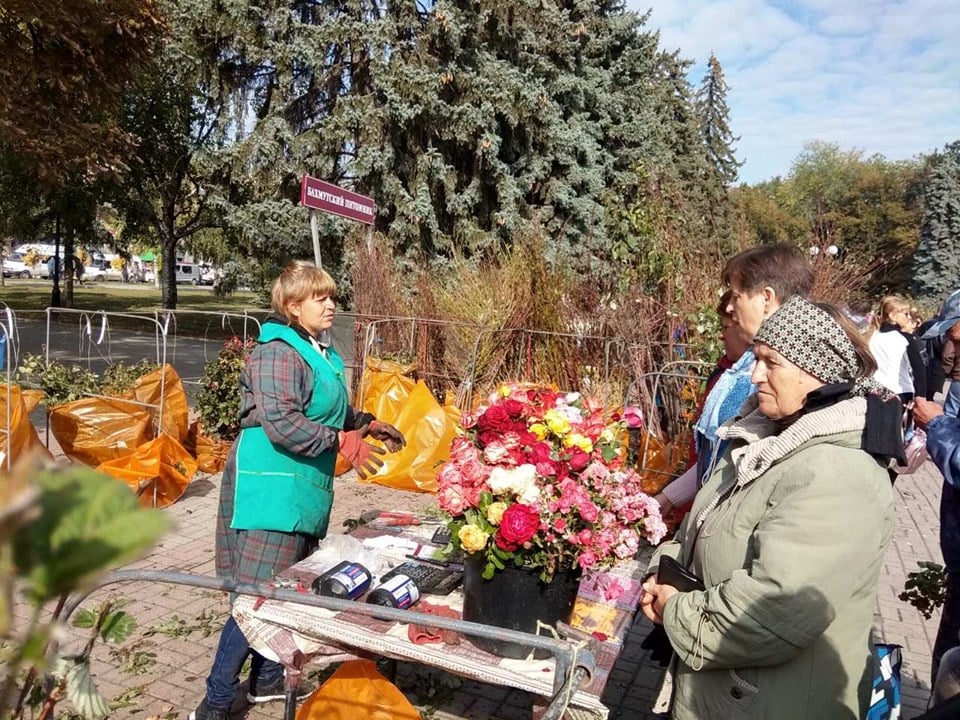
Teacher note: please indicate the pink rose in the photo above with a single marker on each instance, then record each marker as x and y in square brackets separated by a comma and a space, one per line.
[474, 473]
[462, 450]
[589, 512]
[587, 559]
[495, 452]
[449, 475]
[452, 499]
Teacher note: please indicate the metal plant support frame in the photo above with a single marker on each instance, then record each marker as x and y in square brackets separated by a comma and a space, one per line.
[680, 370]
[370, 328]
[168, 318]
[574, 663]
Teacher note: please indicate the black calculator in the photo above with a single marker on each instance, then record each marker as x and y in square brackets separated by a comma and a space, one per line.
[429, 579]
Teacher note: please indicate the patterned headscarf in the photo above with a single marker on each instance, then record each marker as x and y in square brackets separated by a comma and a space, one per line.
[809, 338]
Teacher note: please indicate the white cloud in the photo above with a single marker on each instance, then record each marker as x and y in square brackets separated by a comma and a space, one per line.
[878, 75]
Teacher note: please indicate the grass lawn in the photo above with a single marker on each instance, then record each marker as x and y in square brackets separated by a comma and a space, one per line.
[33, 296]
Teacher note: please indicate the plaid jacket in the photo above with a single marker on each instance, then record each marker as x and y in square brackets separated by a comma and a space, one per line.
[276, 388]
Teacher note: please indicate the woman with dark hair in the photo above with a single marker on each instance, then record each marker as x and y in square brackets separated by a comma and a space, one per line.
[277, 487]
[787, 537]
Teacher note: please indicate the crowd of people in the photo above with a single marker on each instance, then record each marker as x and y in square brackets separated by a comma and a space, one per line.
[791, 504]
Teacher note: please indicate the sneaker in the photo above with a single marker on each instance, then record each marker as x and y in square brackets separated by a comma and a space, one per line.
[205, 712]
[275, 691]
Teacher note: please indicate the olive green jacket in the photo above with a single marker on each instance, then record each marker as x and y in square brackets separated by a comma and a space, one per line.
[789, 535]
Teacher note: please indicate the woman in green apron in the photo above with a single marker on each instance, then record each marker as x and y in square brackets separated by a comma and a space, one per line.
[277, 487]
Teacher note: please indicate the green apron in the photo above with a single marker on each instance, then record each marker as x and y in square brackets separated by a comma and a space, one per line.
[275, 488]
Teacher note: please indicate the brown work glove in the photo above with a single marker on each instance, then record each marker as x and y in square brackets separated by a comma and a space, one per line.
[363, 456]
[387, 434]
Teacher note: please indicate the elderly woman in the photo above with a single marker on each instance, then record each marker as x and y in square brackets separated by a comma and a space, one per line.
[788, 536]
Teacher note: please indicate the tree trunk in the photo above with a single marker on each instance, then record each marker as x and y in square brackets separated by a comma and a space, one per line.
[69, 243]
[168, 271]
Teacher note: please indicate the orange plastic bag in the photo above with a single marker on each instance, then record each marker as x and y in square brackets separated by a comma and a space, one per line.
[21, 437]
[211, 454]
[176, 414]
[158, 472]
[96, 430]
[661, 462]
[429, 429]
[385, 386]
[356, 691]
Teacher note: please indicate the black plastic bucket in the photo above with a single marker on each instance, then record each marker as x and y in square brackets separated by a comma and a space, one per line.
[514, 598]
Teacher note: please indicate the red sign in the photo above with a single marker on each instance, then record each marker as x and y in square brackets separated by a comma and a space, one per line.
[320, 195]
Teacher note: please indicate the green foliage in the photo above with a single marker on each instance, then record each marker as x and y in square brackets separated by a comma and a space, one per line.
[119, 378]
[81, 691]
[59, 530]
[218, 400]
[937, 260]
[60, 383]
[206, 623]
[60, 120]
[926, 588]
[715, 124]
[66, 383]
[89, 522]
[114, 625]
[133, 659]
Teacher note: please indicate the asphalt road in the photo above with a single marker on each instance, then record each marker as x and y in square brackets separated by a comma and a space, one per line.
[94, 342]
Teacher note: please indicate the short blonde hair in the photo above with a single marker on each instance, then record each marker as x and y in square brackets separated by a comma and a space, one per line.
[889, 305]
[300, 280]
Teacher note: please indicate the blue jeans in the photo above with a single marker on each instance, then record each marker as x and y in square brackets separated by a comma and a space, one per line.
[225, 673]
[951, 406]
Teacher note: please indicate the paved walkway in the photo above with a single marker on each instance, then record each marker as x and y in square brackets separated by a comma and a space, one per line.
[159, 672]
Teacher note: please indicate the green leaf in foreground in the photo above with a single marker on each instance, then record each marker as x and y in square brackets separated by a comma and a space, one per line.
[89, 523]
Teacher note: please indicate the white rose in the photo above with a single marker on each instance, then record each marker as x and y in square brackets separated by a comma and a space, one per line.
[514, 481]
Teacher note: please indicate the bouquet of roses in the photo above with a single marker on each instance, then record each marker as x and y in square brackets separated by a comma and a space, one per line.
[538, 479]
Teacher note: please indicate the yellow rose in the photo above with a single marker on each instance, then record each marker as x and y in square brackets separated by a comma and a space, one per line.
[503, 391]
[495, 512]
[472, 538]
[579, 441]
[539, 429]
[557, 422]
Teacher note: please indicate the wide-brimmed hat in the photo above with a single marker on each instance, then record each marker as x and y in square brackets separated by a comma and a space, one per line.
[949, 315]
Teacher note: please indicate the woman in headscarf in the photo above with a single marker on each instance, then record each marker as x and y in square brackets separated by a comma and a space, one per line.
[787, 536]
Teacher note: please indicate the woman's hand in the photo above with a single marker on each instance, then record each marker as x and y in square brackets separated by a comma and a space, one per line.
[665, 505]
[649, 598]
[665, 593]
[363, 456]
[387, 434]
[654, 598]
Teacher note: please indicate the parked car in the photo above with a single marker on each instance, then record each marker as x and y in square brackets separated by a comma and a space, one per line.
[13, 266]
[208, 276]
[92, 274]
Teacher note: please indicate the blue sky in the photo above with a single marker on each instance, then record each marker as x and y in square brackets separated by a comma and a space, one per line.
[875, 75]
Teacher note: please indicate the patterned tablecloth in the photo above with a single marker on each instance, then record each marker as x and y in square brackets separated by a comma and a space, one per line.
[290, 632]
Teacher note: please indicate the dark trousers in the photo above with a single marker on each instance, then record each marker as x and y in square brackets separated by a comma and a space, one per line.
[948, 634]
[232, 652]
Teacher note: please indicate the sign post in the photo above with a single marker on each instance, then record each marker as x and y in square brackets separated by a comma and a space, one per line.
[325, 197]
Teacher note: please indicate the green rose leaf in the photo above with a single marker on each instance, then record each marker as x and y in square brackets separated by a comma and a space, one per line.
[89, 522]
[118, 626]
[81, 692]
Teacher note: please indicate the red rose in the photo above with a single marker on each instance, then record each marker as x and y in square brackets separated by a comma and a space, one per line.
[496, 419]
[579, 460]
[519, 523]
[514, 408]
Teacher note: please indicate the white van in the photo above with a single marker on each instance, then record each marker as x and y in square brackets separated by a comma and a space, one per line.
[187, 272]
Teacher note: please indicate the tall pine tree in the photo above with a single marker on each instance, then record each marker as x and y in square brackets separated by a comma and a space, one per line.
[464, 120]
[936, 265]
